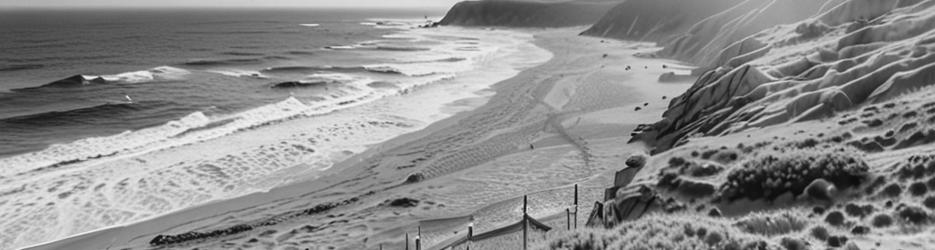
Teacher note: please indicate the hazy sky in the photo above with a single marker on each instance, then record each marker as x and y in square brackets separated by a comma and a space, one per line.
[229, 3]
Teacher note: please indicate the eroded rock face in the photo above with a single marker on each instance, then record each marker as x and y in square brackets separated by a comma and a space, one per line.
[791, 73]
[725, 32]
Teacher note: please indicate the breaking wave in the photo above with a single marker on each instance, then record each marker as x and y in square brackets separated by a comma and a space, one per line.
[161, 73]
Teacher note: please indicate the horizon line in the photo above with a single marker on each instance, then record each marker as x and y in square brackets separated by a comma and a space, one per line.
[154, 7]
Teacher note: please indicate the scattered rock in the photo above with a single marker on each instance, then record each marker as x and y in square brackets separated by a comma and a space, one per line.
[820, 189]
[404, 202]
[714, 212]
[636, 161]
[415, 177]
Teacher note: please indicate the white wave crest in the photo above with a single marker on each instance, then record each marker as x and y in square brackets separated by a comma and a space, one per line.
[157, 73]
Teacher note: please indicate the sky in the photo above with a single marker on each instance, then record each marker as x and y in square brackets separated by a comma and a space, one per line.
[227, 3]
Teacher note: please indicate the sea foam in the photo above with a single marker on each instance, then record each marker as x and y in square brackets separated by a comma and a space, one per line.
[111, 180]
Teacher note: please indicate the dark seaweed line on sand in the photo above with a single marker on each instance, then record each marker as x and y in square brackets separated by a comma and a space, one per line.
[173, 239]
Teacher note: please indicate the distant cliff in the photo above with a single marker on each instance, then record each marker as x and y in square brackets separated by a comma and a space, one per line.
[725, 35]
[703, 32]
[653, 20]
[514, 13]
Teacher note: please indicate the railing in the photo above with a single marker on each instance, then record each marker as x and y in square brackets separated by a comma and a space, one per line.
[524, 224]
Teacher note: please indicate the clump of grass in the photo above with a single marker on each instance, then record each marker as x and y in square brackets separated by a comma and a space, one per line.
[771, 175]
[820, 233]
[882, 220]
[772, 224]
[916, 167]
[665, 232]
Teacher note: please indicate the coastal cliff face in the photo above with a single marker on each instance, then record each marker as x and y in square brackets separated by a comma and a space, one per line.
[855, 53]
[654, 20]
[722, 36]
[811, 126]
[514, 13]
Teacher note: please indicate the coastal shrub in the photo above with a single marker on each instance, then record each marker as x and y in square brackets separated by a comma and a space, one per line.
[929, 202]
[855, 210]
[916, 167]
[882, 220]
[771, 175]
[771, 224]
[835, 218]
[891, 190]
[913, 214]
[860, 229]
[918, 189]
[665, 232]
[820, 233]
[793, 244]
[837, 241]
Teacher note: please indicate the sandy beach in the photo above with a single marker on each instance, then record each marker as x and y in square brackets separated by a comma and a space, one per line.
[554, 125]
[663, 124]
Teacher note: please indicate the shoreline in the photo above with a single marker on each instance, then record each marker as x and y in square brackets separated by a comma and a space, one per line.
[529, 121]
[475, 98]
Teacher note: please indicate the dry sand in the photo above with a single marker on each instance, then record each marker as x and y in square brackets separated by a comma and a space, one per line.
[576, 110]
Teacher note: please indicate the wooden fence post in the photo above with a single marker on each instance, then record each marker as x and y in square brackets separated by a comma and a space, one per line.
[567, 219]
[576, 206]
[525, 223]
[470, 235]
[419, 239]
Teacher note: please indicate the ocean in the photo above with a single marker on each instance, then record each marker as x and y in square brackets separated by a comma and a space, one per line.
[170, 63]
[85, 95]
